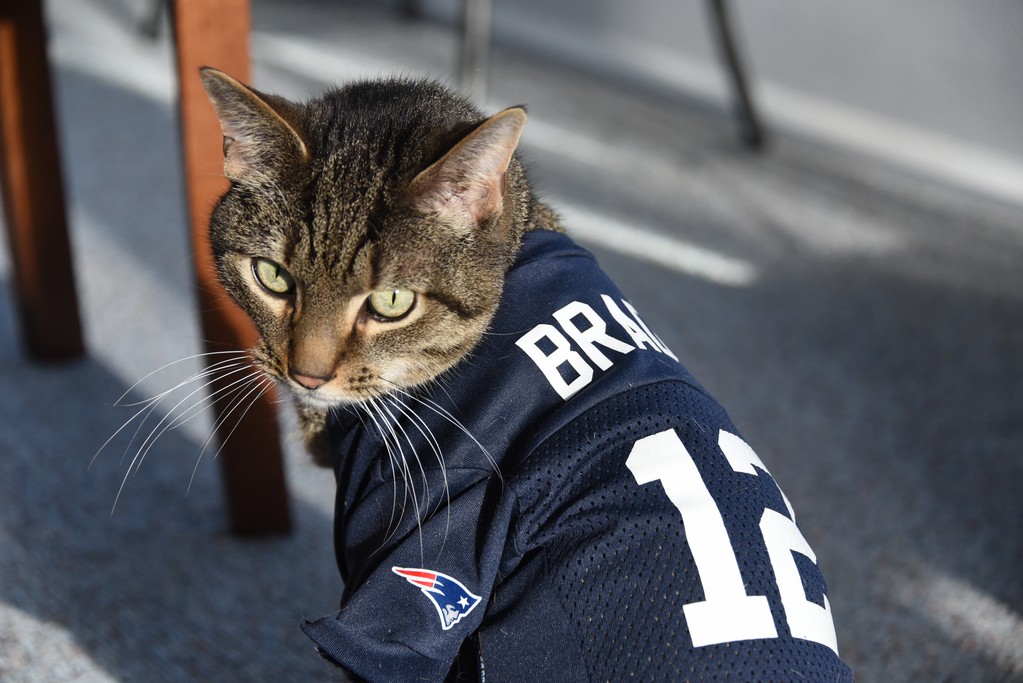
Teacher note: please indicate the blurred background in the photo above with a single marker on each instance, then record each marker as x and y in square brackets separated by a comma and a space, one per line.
[852, 293]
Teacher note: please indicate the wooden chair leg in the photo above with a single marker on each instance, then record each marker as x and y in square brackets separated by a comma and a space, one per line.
[750, 129]
[216, 33]
[32, 189]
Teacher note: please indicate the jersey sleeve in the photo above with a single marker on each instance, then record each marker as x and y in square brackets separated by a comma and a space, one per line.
[664, 552]
[408, 616]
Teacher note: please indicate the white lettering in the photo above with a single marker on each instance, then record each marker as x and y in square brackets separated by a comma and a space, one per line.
[635, 314]
[549, 363]
[591, 337]
[807, 620]
[641, 338]
[588, 338]
[727, 612]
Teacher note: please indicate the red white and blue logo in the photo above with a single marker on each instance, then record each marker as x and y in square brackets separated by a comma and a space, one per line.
[452, 599]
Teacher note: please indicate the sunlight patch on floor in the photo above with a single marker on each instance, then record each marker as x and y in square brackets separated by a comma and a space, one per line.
[966, 613]
[668, 252]
[20, 634]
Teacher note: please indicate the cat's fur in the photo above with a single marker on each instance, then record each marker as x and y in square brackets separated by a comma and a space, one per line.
[376, 185]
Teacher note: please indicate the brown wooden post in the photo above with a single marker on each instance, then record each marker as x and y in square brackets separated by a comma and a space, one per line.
[216, 33]
[32, 188]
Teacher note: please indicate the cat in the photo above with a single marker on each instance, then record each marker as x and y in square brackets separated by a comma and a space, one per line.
[291, 188]
[530, 485]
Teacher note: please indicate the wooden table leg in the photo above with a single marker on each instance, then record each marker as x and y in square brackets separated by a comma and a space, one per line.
[32, 188]
[216, 33]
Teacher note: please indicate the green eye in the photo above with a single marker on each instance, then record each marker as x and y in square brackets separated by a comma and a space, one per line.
[273, 277]
[392, 304]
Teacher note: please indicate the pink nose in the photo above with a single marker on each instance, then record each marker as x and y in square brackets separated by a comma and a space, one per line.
[308, 381]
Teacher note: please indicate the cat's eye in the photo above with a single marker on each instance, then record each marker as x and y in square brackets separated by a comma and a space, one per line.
[392, 304]
[273, 277]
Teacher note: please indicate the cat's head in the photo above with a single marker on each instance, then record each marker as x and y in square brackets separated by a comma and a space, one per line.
[366, 232]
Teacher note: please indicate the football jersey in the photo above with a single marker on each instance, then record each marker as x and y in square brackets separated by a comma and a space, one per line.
[567, 504]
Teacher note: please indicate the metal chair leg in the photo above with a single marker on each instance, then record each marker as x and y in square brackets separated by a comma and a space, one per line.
[750, 129]
[150, 24]
[410, 9]
[475, 48]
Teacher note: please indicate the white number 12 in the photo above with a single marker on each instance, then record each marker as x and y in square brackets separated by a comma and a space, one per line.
[727, 612]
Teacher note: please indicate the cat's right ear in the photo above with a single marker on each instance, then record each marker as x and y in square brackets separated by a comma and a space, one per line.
[257, 139]
[468, 181]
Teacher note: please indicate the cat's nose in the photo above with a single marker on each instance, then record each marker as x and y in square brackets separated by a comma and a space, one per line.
[309, 381]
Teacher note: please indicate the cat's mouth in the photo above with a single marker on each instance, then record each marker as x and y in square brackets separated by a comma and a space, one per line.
[326, 398]
[336, 390]
[317, 400]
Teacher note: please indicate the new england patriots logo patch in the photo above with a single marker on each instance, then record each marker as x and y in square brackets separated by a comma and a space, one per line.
[452, 600]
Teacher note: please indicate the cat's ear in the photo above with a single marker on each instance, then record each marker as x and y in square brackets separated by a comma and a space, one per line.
[468, 181]
[257, 138]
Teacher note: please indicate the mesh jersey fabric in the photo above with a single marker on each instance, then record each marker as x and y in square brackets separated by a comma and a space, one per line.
[489, 526]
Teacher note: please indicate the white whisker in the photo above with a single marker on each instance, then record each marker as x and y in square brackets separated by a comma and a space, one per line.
[263, 384]
[157, 432]
[250, 382]
[394, 479]
[121, 429]
[392, 524]
[199, 408]
[424, 429]
[391, 437]
[228, 365]
[237, 356]
[410, 487]
[442, 412]
[396, 423]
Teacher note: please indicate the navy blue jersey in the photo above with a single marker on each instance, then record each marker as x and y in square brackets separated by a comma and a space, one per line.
[567, 504]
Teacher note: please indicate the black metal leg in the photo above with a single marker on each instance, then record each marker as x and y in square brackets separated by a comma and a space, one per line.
[750, 130]
[150, 24]
[410, 9]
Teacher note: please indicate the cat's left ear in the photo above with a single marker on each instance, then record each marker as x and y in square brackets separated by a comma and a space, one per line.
[468, 181]
[258, 140]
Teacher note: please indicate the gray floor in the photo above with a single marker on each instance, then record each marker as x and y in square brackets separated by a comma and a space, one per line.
[863, 328]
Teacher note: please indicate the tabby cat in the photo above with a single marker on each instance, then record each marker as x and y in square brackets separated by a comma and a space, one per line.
[513, 445]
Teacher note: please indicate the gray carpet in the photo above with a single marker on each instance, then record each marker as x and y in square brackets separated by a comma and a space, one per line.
[863, 328]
